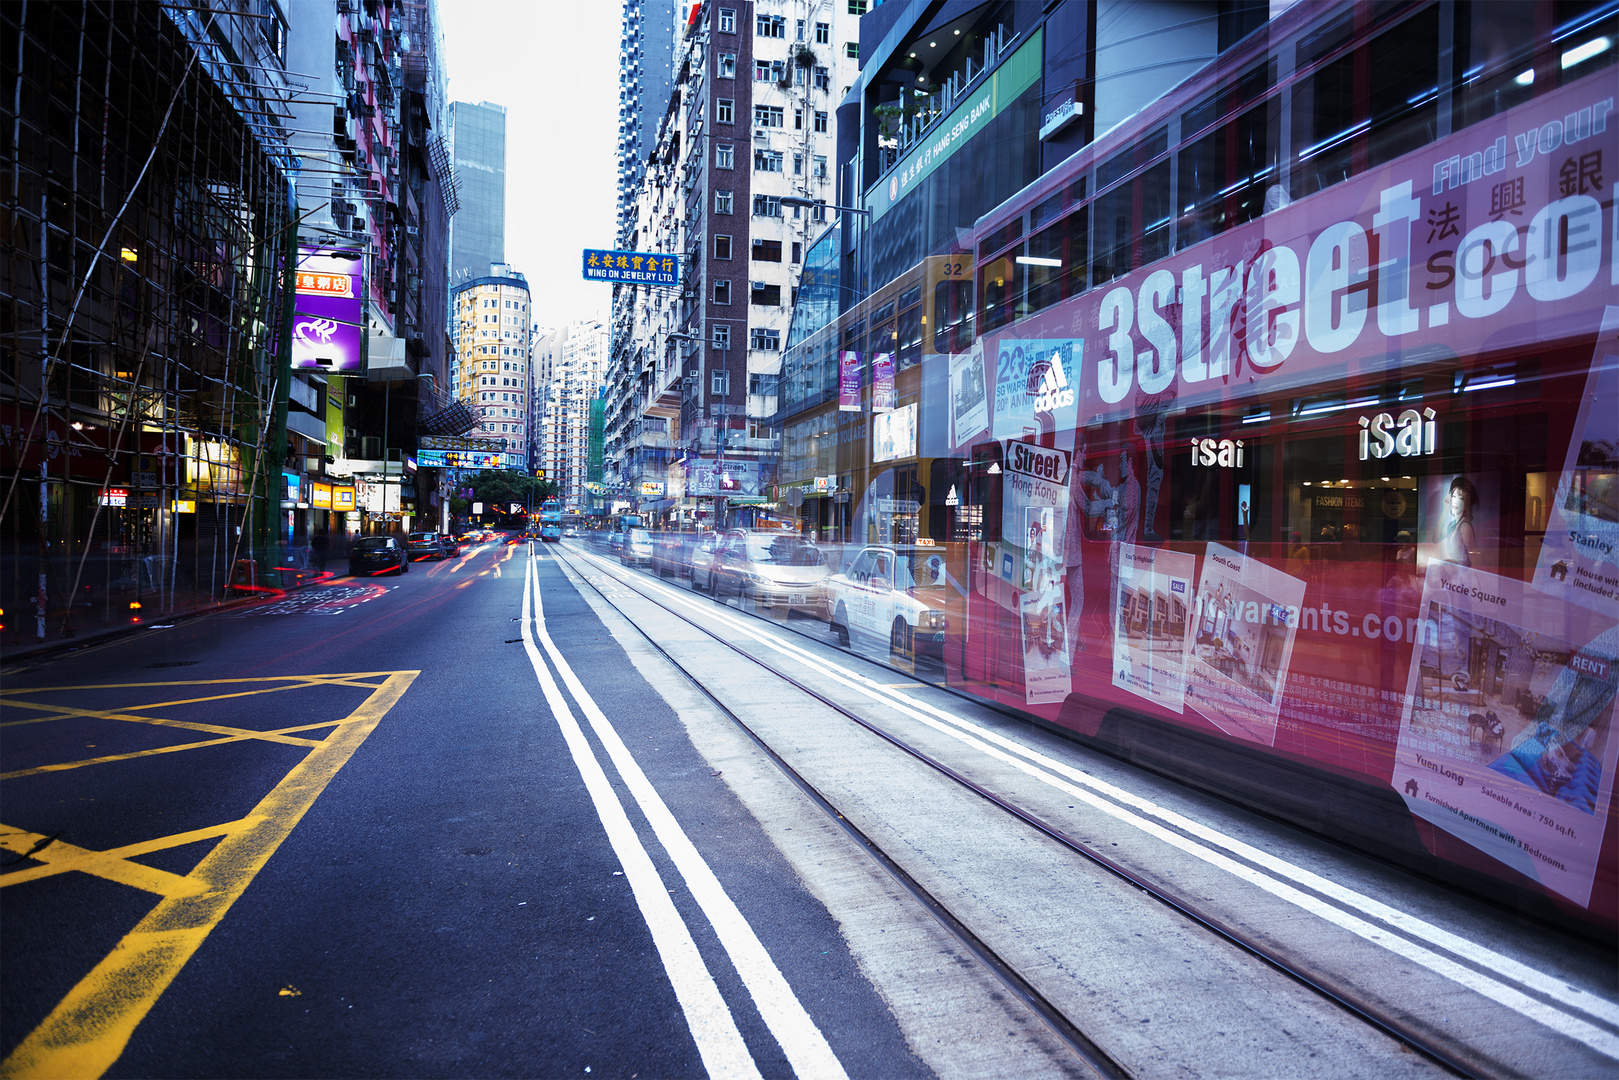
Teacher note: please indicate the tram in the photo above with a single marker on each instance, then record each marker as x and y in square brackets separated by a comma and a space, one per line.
[1275, 435]
[551, 520]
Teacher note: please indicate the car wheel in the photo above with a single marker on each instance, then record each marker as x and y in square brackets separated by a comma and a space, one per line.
[840, 626]
[899, 640]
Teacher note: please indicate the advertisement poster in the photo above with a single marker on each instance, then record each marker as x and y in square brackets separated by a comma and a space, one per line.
[1036, 386]
[711, 476]
[882, 382]
[1034, 507]
[1152, 612]
[1579, 560]
[849, 381]
[1243, 628]
[1506, 738]
[969, 395]
[1046, 658]
[327, 318]
[1456, 519]
[893, 434]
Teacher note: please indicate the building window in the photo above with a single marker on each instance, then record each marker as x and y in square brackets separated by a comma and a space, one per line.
[762, 384]
[722, 247]
[820, 120]
[767, 251]
[767, 115]
[823, 79]
[768, 340]
[721, 383]
[798, 253]
[823, 33]
[724, 155]
[851, 49]
[724, 110]
[722, 292]
[722, 202]
[820, 166]
[798, 30]
[764, 295]
[767, 206]
[761, 71]
[798, 119]
[818, 212]
[727, 21]
[767, 160]
[857, 7]
[771, 26]
[798, 164]
[722, 336]
[725, 66]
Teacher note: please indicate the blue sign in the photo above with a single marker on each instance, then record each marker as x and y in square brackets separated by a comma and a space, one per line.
[457, 459]
[632, 267]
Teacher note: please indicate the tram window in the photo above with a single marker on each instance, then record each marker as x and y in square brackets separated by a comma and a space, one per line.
[1063, 242]
[1223, 176]
[1494, 52]
[883, 338]
[1405, 87]
[1114, 234]
[1324, 127]
[1157, 212]
[910, 338]
[1046, 211]
[1000, 283]
[1581, 52]
[952, 313]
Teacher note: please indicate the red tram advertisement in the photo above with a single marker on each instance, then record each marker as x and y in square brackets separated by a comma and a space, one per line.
[1277, 439]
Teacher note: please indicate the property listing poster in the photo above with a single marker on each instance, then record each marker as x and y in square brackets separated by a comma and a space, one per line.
[1579, 560]
[1506, 738]
[1047, 673]
[969, 394]
[1244, 625]
[1036, 386]
[1152, 617]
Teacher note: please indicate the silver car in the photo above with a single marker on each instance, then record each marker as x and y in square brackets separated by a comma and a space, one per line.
[771, 569]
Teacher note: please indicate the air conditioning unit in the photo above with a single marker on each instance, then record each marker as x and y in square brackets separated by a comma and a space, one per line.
[761, 133]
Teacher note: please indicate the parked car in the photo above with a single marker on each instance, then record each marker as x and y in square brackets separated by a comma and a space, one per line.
[635, 548]
[771, 569]
[897, 592]
[425, 545]
[702, 562]
[374, 555]
[671, 553]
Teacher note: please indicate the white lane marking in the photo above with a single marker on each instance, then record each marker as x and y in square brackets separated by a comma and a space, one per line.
[971, 734]
[709, 1018]
[806, 1048]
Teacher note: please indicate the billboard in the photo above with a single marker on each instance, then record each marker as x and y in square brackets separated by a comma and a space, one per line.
[457, 459]
[327, 317]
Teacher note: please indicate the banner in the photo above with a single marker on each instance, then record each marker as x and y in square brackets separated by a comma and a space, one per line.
[1506, 735]
[850, 381]
[882, 382]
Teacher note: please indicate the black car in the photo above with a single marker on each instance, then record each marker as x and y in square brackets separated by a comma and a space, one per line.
[374, 555]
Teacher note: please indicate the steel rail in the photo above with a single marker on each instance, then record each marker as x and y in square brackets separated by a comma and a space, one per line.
[1390, 1025]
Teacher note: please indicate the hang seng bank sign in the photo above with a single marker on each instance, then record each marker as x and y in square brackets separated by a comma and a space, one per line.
[1499, 236]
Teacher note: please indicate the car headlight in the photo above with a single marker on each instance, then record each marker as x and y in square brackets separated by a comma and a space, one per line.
[933, 619]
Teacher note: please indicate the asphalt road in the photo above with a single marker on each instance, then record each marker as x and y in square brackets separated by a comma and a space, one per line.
[343, 834]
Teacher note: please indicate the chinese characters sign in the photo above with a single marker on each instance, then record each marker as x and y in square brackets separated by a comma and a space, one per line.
[326, 321]
[633, 267]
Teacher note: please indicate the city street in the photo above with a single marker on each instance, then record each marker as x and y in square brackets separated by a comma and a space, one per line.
[341, 834]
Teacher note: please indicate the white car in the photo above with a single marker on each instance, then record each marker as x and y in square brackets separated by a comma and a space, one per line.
[893, 592]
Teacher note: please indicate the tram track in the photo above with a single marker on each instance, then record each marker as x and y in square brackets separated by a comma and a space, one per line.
[1066, 1029]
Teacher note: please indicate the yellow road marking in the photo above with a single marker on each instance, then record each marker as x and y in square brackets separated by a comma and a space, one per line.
[61, 857]
[313, 680]
[465, 583]
[62, 712]
[91, 1026]
[241, 735]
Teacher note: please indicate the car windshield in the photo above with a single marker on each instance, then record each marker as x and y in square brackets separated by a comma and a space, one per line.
[920, 569]
[373, 543]
[640, 536]
[422, 538]
[784, 551]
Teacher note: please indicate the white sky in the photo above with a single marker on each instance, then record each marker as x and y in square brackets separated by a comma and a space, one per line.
[554, 65]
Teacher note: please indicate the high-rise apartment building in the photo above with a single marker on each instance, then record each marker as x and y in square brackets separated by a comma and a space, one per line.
[751, 120]
[645, 67]
[492, 361]
[575, 356]
[478, 147]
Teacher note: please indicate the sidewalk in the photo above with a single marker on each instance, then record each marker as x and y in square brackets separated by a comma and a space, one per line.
[117, 612]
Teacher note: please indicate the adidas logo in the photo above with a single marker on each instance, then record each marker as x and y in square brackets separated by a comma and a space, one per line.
[1055, 392]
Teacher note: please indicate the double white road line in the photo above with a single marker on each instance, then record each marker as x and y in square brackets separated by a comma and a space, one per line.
[719, 1042]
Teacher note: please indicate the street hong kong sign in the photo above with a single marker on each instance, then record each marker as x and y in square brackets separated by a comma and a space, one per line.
[632, 267]
[327, 319]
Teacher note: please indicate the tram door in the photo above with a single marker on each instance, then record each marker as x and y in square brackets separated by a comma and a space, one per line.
[993, 653]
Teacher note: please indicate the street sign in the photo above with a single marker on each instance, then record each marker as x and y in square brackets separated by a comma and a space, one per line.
[461, 443]
[454, 459]
[631, 267]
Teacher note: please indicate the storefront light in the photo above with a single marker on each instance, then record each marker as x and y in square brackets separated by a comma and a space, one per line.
[1579, 53]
